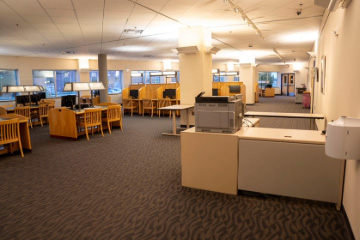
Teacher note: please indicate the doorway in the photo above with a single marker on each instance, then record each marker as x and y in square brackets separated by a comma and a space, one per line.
[288, 84]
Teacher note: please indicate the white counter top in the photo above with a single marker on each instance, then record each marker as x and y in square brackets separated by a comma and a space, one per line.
[282, 135]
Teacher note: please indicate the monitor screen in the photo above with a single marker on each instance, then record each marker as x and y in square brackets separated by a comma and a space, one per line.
[22, 99]
[234, 89]
[42, 95]
[215, 92]
[170, 93]
[35, 98]
[68, 101]
[134, 93]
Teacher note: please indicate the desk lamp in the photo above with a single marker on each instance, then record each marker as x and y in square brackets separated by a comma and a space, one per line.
[76, 87]
[95, 86]
[21, 89]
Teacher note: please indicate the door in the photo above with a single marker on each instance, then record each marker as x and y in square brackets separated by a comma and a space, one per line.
[288, 84]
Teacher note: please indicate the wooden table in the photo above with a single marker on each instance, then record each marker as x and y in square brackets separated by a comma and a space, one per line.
[63, 122]
[311, 116]
[24, 131]
[173, 109]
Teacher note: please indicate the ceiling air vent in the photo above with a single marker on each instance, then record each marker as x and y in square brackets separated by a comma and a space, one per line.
[133, 31]
[68, 52]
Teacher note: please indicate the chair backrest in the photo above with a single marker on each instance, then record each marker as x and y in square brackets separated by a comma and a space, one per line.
[114, 113]
[106, 104]
[24, 111]
[164, 102]
[147, 103]
[127, 103]
[92, 117]
[9, 131]
[3, 111]
[44, 109]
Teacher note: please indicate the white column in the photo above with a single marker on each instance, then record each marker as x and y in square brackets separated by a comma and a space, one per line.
[247, 76]
[195, 68]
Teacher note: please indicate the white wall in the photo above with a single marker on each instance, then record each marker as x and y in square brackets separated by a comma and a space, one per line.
[342, 86]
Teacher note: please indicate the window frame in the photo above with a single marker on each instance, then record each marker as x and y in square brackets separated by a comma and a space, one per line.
[11, 96]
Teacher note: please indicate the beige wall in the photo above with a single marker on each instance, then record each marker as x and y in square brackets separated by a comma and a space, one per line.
[342, 86]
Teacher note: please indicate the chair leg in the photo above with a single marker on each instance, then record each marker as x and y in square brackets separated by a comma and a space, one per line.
[87, 135]
[108, 124]
[102, 133]
[30, 122]
[41, 121]
[20, 147]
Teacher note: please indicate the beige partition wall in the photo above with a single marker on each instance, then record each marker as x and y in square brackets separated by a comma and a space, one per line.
[247, 76]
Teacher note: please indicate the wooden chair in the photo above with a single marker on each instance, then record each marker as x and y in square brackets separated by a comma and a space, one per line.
[3, 111]
[148, 104]
[10, 133]
[92, 118]
[128, 104]
[43, 112]
[24, 111]
[164, 103]
[113, 114]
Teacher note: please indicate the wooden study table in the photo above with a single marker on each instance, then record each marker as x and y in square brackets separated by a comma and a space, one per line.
[24, 131]
[173, 109]
[63, 122]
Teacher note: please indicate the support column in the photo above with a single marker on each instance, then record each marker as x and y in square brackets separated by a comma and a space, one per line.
[247, 76]
[195, 68]
[102, 65]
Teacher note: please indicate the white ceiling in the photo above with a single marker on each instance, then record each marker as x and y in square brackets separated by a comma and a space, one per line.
[46, 28]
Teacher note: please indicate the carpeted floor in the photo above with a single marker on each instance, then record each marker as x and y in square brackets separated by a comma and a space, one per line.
[126, 185]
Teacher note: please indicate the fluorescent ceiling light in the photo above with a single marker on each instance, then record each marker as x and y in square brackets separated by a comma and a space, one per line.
[33, 88]
[21, 88]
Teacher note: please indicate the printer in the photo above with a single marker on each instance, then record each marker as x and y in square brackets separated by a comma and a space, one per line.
[218, 114]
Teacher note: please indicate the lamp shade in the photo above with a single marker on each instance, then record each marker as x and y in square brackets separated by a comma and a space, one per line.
[97, 86]
[342, 139]
[13, 89]
[33, 88]
[76, 86]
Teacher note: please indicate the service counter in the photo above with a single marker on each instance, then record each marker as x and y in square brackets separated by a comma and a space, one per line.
[284, 162]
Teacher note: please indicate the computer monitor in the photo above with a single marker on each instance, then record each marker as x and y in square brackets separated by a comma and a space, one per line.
[170, 93]
[42, 95]
[215, 92]
[68, 101]
[268, 86]
[234, 89]
[134, 93]
[35, 98]
[22, 99]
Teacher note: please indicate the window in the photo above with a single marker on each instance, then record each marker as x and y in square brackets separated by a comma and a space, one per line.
[137, 79]
[8, 77]
[115, 83]
[53, 81]
[266, 78]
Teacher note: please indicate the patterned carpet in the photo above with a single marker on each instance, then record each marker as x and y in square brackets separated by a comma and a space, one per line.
[126, 185]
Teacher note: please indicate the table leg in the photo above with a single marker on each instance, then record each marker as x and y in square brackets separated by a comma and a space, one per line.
[174, 122]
